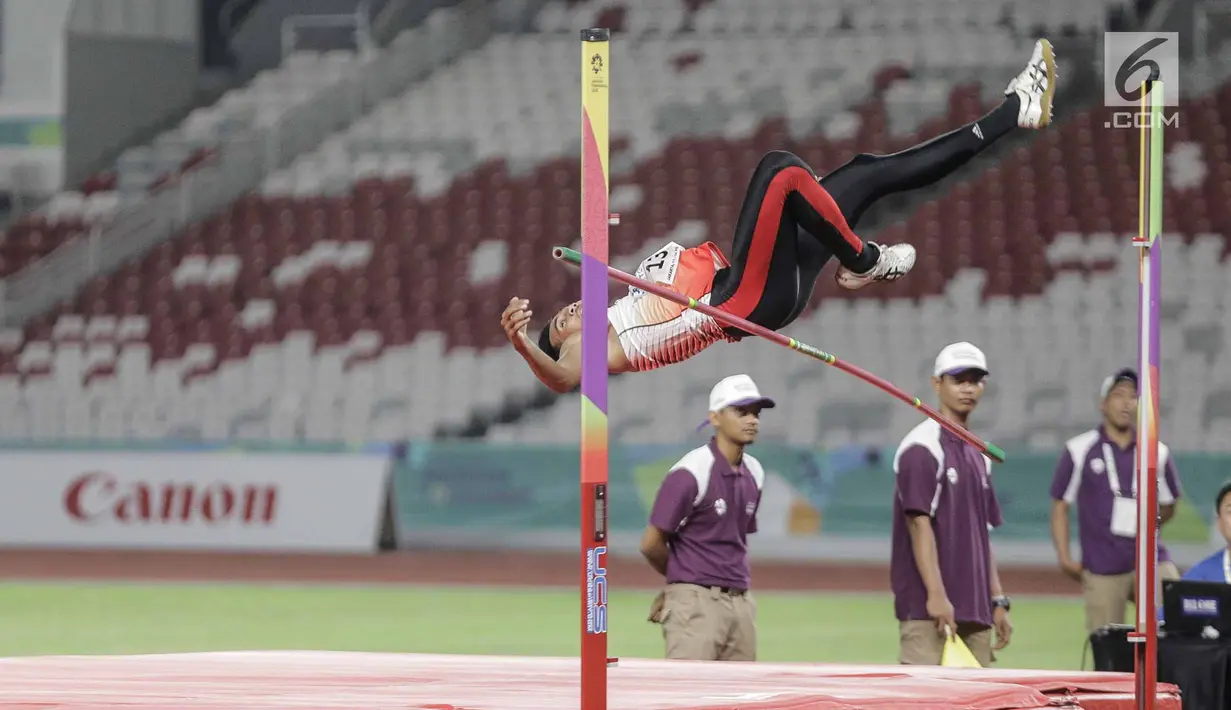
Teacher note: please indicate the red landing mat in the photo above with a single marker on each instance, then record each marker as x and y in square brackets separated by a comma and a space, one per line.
[262, 680]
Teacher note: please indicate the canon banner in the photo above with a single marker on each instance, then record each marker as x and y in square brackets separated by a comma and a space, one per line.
[327, 502]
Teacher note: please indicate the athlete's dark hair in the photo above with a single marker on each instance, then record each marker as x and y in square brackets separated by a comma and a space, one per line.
[545, 342]
[1222, 493]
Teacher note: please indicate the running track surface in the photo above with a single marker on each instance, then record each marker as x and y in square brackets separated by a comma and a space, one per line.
[258, 680]
[447, 567]
[284, 680]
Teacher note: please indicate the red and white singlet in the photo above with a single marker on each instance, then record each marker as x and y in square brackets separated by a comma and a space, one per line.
[654, 331]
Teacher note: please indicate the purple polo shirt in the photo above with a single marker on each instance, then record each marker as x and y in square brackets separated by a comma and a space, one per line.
[940, 476]
[707, 535]
[1081, 480]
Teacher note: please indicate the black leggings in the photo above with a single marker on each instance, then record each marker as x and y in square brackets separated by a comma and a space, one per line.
[789, 225]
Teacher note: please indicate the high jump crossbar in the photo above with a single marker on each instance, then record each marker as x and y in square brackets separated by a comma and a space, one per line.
[573, 257]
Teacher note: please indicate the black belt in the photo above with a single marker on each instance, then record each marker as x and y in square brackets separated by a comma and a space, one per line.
[729, 591]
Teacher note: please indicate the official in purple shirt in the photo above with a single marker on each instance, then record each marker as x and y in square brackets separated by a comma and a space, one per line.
[697, 536]
[942, 570]
[1096, 474]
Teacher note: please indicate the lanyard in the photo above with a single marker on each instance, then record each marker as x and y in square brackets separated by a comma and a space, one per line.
[1113, 475]
[1226, 566]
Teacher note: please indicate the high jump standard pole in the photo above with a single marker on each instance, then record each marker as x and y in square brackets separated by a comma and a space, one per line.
[1149, 243]
[595, 188]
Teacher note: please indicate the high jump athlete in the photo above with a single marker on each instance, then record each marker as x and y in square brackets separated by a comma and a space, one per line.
[791, 223]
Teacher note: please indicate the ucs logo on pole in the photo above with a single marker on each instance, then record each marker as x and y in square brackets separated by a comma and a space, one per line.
[1129, 58]
[596, 591]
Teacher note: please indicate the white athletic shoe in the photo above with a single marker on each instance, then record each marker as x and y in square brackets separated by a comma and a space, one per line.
[1036, 87]
[894, 262]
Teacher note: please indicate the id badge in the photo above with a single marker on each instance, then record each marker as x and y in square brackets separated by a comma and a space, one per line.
[1124, 517]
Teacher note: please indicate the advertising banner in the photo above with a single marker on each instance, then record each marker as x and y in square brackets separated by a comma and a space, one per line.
[498, 492]
[207, 500]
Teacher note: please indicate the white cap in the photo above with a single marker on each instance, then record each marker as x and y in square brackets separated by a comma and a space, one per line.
[1126, 374]
[737, 390]
[959, 357]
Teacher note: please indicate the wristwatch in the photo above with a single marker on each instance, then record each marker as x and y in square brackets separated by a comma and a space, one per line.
[1000, 602]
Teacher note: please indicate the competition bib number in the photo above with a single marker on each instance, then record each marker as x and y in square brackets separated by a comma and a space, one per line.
[659, 267]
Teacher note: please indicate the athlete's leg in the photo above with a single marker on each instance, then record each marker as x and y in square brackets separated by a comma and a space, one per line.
[867, 178]
[785, 194]
[787, 230]
[814, 209]
[762, 284]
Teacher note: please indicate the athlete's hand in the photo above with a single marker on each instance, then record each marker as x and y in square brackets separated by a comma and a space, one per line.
[515, 320]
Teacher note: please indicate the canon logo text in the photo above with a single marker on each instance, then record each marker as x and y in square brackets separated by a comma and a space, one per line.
[98, 494]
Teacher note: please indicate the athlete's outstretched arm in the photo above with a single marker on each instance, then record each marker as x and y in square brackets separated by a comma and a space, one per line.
[561, 375]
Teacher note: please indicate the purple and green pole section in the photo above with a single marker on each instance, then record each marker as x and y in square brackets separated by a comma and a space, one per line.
[595, 189]
[573, 257]
[1149, 243]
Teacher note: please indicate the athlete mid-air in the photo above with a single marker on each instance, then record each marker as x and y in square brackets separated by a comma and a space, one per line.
[791, 223]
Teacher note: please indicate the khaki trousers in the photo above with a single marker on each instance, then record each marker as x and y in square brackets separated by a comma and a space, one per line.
[919, 644]
[704, 624]
[1107, 595]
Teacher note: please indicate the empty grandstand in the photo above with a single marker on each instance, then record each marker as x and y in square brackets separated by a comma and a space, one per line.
[323, 253]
